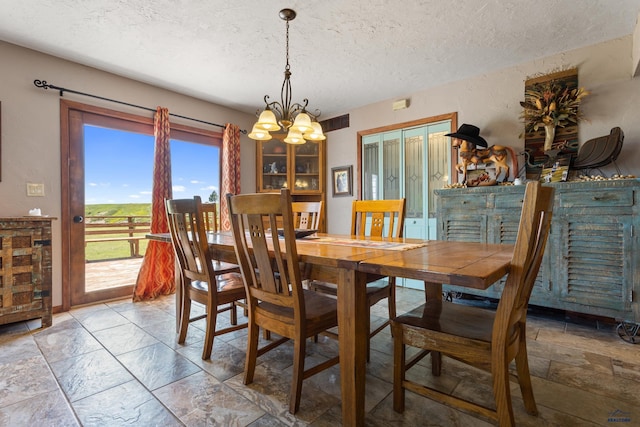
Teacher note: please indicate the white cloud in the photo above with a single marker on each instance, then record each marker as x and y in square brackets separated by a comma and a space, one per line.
[134, 196]
[92, 184]
[145, 192]
[195, 181]
[179, 188]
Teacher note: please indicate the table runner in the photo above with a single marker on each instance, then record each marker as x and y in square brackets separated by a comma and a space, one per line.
[375, 244]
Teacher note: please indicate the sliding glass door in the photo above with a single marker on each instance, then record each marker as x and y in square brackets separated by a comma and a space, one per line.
[408, 163]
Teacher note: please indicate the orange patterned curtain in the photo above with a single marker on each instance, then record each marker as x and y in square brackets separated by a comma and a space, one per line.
[156, 276]
[230, 170]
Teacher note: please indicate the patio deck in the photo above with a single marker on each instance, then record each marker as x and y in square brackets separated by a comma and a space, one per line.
[111, 273]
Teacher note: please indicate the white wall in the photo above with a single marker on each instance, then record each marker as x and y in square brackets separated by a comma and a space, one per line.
[491, 102]
[31, 128]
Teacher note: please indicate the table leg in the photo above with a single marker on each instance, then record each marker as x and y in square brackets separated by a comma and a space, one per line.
[352, 312]
[432, 291]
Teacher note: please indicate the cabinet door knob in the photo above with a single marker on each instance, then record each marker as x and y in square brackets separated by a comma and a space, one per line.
[78, 219]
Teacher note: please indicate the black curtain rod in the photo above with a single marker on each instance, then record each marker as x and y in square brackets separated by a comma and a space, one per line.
[44, 85]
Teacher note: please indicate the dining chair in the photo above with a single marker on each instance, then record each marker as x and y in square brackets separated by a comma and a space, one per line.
[217, 285]
[210, 217]
[476, 336]
[273, 281]
[307, 215]
[376, 218]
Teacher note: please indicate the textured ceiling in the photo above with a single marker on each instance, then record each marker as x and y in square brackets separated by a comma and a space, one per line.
[343, 54]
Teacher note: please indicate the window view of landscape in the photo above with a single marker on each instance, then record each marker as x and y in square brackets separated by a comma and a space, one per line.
[118, 186]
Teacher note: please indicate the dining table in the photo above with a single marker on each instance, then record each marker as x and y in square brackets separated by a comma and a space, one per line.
[353, 261]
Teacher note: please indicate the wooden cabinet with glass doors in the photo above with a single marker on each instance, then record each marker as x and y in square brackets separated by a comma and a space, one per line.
[298, 167]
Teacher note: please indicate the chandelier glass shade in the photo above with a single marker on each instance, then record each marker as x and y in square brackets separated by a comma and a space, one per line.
[300, 125]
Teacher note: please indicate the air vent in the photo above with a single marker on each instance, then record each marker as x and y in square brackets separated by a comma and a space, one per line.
[335, 123]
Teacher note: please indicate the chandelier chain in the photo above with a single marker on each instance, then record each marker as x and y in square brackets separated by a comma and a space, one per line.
[287, 67]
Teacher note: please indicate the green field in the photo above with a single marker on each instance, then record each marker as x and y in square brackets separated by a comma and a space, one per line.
[126, 209]
[96, 251]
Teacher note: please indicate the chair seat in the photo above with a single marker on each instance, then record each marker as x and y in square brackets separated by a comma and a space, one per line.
[230, 287]
[451, 319]
[321, 312]
[222, 267]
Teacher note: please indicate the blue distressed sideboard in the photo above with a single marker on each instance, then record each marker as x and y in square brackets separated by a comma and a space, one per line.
[591, 260]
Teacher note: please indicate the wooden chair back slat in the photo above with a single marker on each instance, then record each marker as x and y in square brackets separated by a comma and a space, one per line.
[210, 217]
[379, 211]
[189, 238]
[307, 215]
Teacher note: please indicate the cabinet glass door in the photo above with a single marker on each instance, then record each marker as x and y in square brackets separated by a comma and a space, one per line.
[274, 165]
[306, 167]
[391, 165]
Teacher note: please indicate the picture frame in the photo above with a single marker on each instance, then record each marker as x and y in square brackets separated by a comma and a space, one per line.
[342, 180]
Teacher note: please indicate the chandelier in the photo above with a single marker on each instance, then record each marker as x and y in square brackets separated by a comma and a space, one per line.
[301, 126]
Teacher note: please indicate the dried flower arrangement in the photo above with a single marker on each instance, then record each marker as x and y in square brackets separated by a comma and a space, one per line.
[551, 103]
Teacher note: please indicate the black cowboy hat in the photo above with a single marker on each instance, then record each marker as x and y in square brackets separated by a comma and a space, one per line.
[469, 133]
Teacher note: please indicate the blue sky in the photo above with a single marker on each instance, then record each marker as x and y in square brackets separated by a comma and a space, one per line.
[119, 167]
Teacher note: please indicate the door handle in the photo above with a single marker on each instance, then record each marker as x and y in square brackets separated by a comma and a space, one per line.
[78, 219]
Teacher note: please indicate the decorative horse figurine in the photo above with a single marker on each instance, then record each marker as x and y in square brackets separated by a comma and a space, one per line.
[469, 154]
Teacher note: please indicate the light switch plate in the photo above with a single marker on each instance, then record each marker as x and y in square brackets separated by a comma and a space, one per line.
[35, 190]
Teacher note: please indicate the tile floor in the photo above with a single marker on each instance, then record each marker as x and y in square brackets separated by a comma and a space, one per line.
[118, 364]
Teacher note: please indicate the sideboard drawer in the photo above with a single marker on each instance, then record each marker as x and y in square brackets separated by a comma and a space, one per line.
[506, 201]
[597, 198]
[464, 202]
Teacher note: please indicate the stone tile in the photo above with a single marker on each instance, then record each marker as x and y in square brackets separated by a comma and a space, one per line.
[89, 373]
[101, 319]
[329, 382]
[268, 420]
[157, 365]
[270, 391]
[144, 315]
[622, 389]
[82, 311]
[52, 409]
[17, 346]
[124, 338]
[138, 408]
[226, 361]
[24, 379]
[200, 400]
[66, 343]
[573, 356]
[421, 411]
[580, 403]
[165, 332]
[627, 370]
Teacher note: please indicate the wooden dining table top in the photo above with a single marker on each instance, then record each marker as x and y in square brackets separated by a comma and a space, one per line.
[468, 264]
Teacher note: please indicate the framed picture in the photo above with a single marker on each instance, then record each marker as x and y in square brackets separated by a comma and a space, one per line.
[342, 180]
